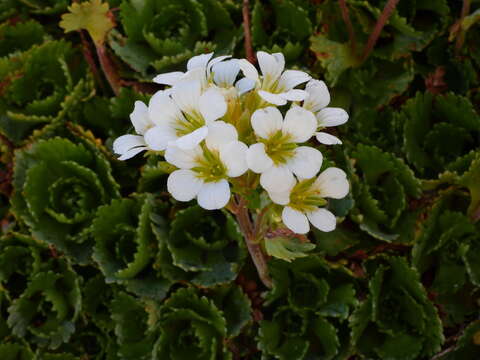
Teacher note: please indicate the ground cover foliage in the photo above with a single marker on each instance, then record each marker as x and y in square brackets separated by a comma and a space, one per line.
[97, 261]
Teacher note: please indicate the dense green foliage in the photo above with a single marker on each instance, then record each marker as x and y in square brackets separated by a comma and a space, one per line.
[97, 261]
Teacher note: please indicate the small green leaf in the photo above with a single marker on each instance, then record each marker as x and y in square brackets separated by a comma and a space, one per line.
[287, 249]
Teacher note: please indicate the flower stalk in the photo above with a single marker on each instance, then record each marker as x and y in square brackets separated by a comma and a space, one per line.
[255, 250]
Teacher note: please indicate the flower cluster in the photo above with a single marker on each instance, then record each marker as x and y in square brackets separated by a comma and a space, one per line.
[216, 128]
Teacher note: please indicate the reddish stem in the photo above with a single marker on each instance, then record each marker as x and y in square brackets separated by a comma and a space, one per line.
[247, 32]
[254, 248]
[348, 22]
[108, 68]
[461, 34]
[382, 20]
[89, 58]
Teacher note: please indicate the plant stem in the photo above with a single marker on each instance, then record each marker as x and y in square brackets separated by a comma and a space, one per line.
[348, 22]
[382, 20]
[461, 34]
[247, 32]
[254, 248]
[108, 68]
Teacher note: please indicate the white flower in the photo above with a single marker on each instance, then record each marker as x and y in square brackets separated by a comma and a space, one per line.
[183, 115]
[277, 86]
[304, 199]
[130, 145]
[277, 157]
[317, 101]
[206, 70]
[204, 170]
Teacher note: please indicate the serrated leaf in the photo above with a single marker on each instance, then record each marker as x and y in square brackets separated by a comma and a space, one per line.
[287, 249]
[92, 16]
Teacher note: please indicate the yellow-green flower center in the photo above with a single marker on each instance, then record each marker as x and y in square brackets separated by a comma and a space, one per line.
[279, 147]
[193, 121]
[305, 197]
[210, 167]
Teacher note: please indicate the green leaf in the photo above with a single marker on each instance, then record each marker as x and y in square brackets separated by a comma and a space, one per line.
[207, 245]
[134, 339]
[287, 249]
[334, 57]
[15, 352]
[48, 308]
[190, 326]
[235, 306]
[63, 183]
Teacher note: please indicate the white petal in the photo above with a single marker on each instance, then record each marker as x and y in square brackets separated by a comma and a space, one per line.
[186, 95]
[282, 198]
[225, 73]
[257, 159]
[270, 65]
[322, 219]
[162, 109]
[300, 124]
[318, 96]
[295, 220]
[212, 105]
[184, 185]
[192, 140]
[199, 61]
[332, 117]
[197, 74]
[233, 155]
[294, 95]
[332, 183]
[132, 152]
[183, 159]
[139, 118]
[276, 179]
[215, 61]
[272, 98]
[280, 58]
[248, 69]
[267, 121]
[219, 132]
[306, 162]
[214, 195]
[244, 85]
[125, 143]
[292, 78]
[327, 139]
[170, 78]
[158, 137]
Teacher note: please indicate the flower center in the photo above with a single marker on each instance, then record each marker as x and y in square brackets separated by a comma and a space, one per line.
[279, 147]
[192, 121]
[304, 197]
[210, 167]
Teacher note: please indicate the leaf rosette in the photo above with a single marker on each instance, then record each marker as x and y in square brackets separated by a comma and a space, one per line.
[191, 327]
[20, 257]
[289, 26]
[206, 247]
[382, 187]
[307, 310]
[58, 186]
[20, 37]
[134, 337]
[165, 34]
[125, 245]
[40, 86]
[47, 309]
[446, 253]
[438, 130]
[396, 320]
